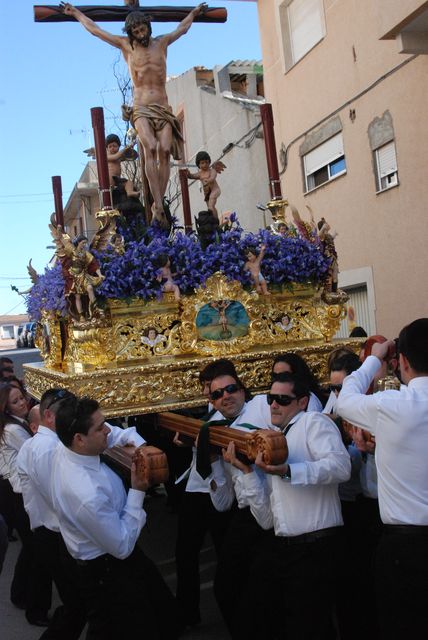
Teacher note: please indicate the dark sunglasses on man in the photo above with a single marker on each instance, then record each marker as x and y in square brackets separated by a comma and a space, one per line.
[280, 398]
[219, 393]
[335, 387]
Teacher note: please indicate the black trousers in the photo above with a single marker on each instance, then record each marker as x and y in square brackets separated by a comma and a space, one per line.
[362, 531]
[127, 599]
[290, 592]
[32, 583]
[402, 583]
[241, 546]
[51, 554]
[7, 508]
[196, 517]
[3, 541]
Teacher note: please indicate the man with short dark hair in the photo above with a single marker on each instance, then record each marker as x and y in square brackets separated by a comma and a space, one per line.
[244, 536]
[197, 515]
[399, 420]
[296, 569]
[124, 592]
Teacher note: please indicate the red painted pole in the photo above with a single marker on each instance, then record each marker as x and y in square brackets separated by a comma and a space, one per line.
[185, 200]
[97, 116]
[57, 193]
[271, 157]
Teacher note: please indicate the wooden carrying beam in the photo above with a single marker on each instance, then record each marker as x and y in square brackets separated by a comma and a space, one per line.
[151, 462]
[272, 444]
[53, 13]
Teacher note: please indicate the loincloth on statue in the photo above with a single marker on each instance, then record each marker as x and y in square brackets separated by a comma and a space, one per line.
[159, 116]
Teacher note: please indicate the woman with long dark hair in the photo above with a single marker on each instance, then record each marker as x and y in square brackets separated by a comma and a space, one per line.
[293, 363]
[28, 591]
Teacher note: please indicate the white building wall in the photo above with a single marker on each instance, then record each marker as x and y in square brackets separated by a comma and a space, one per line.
[211, 122]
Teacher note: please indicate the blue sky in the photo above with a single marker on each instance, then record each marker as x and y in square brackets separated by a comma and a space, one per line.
[51, 76]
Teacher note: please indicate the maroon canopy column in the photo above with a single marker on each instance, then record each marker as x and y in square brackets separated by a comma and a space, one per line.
[271, 157]
[97, 116]
[57, 193]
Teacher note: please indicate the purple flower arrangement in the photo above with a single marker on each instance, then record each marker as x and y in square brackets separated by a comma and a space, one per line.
[135, 273]
[47, 294]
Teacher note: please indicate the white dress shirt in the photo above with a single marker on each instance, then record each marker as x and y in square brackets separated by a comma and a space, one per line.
[331, 403]
[34, 463]
[13, 437]
[256, 412]
[309, 501]
[225, 482]
[95, 514]
[399, 420]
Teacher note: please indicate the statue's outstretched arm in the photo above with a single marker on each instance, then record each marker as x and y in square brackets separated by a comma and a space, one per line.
[91, 26]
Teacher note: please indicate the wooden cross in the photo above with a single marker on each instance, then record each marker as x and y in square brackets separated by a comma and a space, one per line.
[53, 13]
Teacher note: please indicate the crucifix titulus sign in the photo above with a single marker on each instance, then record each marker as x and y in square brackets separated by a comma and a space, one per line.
[158, 129]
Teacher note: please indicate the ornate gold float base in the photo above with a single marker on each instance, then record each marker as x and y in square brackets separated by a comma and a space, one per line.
[170, 383]
[143, 357]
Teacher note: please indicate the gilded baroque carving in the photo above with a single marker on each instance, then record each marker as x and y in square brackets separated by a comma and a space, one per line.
[143, 357]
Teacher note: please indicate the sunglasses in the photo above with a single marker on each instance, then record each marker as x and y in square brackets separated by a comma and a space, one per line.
[219, 393]
[59, 395]
[281, 399]
[335, 387]
[283, 376]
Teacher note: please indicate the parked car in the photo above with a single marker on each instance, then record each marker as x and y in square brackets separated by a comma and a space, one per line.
[26, 336]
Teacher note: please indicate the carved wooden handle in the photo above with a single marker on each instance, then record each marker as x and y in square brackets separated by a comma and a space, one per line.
[271, 443]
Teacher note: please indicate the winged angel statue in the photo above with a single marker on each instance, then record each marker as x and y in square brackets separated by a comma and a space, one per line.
[80, 268]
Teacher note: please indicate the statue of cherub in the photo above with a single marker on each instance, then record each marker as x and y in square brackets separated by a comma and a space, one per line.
[207, 174]
[165, 276]
[152, 338]
[253, 266]
[115, 156]
[285, 323]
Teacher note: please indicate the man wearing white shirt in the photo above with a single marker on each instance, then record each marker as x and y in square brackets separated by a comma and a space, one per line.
[291, 585]
[100, 524]
[34, 463]
[197, 515]
[244, 536]
[399, 420]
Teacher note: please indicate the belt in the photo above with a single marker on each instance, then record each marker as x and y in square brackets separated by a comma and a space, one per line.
[312, 536]
[406, 529]
[98, 560]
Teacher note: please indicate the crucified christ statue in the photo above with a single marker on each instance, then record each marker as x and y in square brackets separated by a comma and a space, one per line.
[158, 129]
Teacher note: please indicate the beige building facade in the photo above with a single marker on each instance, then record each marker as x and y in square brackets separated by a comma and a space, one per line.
[348, 82]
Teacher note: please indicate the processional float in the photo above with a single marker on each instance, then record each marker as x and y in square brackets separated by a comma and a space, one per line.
[107, 329]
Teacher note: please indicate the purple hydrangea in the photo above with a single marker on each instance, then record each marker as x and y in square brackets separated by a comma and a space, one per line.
[47, 294]
[135, 273]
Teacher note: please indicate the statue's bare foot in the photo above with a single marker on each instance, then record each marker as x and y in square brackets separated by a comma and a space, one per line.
[159, 215]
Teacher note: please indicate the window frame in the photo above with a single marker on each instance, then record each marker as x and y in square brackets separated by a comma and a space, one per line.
[286, 32]
[378, 169]
[327, 164]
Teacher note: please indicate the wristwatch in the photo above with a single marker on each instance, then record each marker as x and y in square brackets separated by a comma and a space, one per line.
[287, 474]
